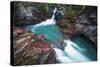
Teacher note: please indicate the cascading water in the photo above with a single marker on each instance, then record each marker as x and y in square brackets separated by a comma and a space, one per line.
[75, 54]
[70, 53]
[47, 28]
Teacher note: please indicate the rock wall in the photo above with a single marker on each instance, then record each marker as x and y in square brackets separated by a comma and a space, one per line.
[30, 48]
[87, 24]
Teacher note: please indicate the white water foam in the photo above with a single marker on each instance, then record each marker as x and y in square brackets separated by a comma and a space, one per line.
[70, 54]
[61, 57]
[48, 21]
[74, 53]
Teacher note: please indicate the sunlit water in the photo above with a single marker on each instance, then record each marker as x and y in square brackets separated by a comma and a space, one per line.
[76, 50]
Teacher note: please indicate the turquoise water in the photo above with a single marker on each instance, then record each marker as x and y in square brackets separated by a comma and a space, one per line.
[85, 47]
[50, 32]
[78, 48]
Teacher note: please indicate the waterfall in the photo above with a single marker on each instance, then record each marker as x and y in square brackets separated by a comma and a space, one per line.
[48, 21]
[71, 52]
[53, 17]
[61, 57]
[74, 53]
[47, 28]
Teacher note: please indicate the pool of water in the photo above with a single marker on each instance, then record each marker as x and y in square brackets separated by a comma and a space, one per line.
[85, 47]
[77, 49]
[50, 32]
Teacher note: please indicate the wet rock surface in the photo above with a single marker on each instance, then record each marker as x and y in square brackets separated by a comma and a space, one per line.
[28, 13]
[67, 27]
[87, 24]
[30, 48]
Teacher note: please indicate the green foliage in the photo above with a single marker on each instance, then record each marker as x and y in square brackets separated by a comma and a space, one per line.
[41, 6]
[74, 10]
[44, 7]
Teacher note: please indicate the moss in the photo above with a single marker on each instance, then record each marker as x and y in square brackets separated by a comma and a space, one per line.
[71, 10]
[44, 7]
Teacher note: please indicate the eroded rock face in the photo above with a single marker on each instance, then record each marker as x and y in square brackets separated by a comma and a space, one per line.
[87, 24]
[67, 27]
[30, 48]
[28, 13]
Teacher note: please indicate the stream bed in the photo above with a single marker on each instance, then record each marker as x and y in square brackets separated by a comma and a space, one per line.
[75, 49]
[46, 33]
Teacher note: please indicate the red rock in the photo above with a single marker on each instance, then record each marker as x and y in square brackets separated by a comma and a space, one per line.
[39, 37]
[30, 48]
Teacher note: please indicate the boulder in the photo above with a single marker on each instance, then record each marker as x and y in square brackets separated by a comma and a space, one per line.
[30, 48]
